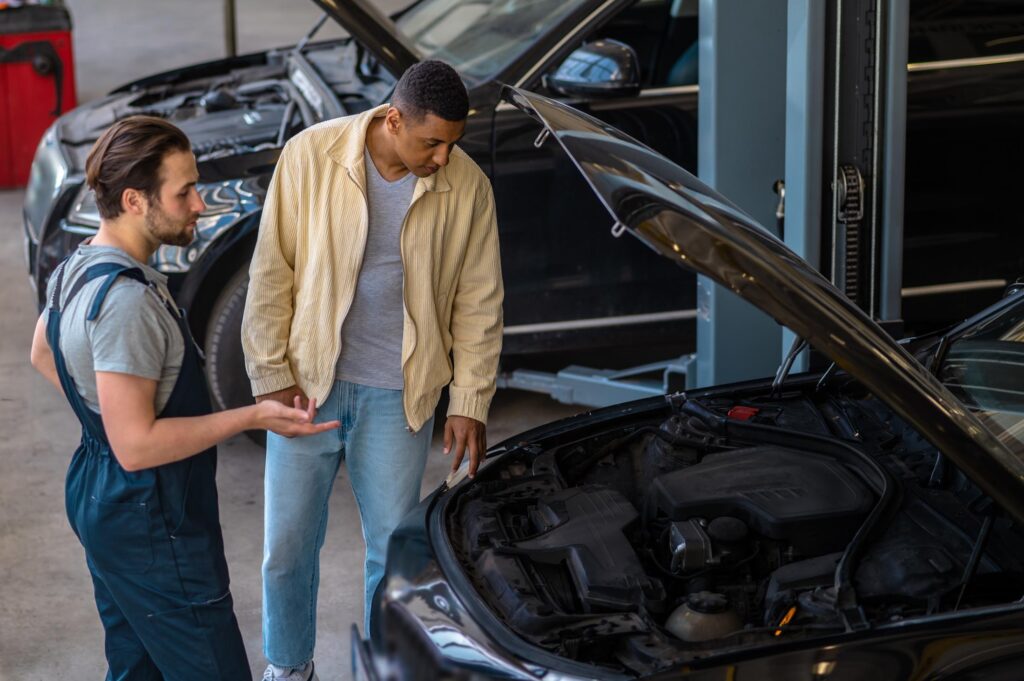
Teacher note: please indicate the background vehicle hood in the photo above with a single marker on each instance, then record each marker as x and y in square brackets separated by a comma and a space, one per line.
[374, 31]
[683, 219]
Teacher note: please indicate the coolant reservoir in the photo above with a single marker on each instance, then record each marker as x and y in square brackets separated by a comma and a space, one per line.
[705, 616]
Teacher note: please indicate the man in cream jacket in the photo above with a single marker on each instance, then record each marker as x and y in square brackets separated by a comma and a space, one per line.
[375, 283]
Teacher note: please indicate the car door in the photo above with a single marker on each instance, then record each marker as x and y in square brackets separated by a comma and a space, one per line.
[591, 290]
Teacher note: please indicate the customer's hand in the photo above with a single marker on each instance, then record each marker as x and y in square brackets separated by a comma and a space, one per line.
[290, 421]
[286, 396]
[465, 433]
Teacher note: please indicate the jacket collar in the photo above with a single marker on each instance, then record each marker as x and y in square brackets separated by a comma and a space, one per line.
[347, 150]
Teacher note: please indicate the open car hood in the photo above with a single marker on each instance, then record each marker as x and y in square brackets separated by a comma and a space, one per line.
[374, 31]
[683, 219]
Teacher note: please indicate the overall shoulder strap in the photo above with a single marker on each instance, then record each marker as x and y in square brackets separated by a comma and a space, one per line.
[111, 273]
[91, 422]
[111, 270]
[59, 285]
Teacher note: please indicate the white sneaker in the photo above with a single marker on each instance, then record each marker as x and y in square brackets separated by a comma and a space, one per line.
[307, 673]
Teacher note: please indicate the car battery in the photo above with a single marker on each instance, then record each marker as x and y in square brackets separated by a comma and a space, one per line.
[37, 82]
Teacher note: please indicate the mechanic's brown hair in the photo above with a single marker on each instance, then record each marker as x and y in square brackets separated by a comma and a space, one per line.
[128, 156]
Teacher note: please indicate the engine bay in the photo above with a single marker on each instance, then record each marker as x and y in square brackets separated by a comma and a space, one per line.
[245, 109]
[724, 522]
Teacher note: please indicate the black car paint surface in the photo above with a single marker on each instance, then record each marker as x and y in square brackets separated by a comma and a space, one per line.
[501, 578]
[570, 286]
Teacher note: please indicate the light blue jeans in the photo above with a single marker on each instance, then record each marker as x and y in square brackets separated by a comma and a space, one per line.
[385, 463]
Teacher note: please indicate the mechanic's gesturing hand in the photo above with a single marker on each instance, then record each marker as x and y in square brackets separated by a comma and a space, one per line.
[465, 433]
[294, 421]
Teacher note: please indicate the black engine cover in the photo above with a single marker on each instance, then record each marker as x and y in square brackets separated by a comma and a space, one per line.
[810, 500]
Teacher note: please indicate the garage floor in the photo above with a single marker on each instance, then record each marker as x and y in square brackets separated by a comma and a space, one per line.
[48, 624]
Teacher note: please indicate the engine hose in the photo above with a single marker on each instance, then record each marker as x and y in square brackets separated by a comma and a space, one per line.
[308, 118]
[714, 421]
[285, 120]
[846, 597]
[288, 89]
[586, 464]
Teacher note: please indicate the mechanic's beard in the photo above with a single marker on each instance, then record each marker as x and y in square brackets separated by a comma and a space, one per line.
[166, 230]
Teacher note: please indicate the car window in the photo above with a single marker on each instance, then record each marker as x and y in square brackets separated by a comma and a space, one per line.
[480, 37]
[964, 29]
[984, 368]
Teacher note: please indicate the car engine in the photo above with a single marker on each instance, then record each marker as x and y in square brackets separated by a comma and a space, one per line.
[725, 524]
[244, 109]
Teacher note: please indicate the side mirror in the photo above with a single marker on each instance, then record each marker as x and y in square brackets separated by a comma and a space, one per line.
[603, 68]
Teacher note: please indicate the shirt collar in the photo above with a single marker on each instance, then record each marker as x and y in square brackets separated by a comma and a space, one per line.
[347, 150]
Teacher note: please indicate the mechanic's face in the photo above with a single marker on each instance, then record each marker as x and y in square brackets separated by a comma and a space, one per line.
[171, 217]
[424, 146]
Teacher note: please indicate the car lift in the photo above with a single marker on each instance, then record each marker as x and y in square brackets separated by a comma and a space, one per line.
[827, 80]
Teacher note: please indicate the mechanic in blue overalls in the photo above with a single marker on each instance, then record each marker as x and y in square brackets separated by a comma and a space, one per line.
[140, 489]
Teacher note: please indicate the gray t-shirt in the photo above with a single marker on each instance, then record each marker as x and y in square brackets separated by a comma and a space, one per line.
[371, 335]
[133, 334]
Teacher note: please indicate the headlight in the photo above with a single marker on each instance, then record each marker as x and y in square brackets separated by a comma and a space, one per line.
[220, 198]
[84, 211]
[226, 203]
[49, 170]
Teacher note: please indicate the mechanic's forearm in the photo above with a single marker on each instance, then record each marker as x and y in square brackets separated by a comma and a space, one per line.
[173, 439]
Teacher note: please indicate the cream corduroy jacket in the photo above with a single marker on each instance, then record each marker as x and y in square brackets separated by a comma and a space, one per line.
[309, 252]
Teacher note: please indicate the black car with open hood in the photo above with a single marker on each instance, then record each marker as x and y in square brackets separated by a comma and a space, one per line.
[568, 289]
[862, 522]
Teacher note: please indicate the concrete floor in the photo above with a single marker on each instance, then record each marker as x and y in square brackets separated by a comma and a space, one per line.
[48, 624]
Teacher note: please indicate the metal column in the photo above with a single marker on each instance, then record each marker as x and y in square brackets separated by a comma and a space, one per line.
[865, 123]
[805, 83]
[741, 152]
[230, 29]
[894, 143]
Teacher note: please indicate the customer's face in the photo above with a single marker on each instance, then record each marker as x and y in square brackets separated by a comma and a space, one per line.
[171, 216]
[425, 146]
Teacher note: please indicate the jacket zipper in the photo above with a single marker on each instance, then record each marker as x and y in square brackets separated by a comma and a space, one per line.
[405, 302]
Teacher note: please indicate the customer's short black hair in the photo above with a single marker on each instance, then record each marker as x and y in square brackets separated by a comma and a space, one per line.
[431, 87]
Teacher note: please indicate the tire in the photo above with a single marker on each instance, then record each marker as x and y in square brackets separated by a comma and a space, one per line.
[225, 364]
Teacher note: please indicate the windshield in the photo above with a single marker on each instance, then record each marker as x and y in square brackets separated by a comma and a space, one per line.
[984, 368]
[480, 37]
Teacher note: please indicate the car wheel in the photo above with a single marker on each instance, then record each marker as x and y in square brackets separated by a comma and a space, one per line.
[225, 365]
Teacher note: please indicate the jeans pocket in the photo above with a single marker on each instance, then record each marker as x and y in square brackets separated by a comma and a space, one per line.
[118, 536]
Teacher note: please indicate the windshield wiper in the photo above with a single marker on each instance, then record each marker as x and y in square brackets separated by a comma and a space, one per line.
[312, 32]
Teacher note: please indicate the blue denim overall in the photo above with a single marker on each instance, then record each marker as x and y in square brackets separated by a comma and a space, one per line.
[152, 538]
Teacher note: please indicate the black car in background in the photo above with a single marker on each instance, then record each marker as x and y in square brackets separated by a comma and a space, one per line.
[861, 523]
[570, 287]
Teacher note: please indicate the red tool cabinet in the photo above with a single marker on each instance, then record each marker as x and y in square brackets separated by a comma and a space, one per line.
[37, 82]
